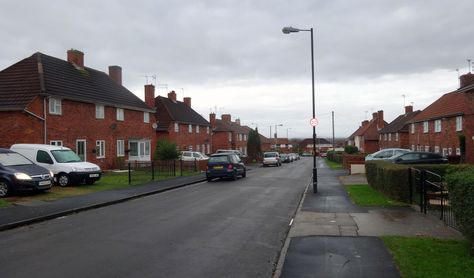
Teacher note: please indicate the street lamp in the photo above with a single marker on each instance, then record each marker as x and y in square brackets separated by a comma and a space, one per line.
[287, 133]
[288, 30]
[276, 133]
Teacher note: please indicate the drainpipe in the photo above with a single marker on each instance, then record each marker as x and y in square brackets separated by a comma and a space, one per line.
[39, 117]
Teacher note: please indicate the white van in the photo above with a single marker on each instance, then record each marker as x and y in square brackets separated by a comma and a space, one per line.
[66, 166]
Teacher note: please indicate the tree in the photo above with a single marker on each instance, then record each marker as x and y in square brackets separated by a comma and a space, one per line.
[166, 150]
[254, 147]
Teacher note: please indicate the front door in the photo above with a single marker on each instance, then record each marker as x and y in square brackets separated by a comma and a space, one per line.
[81, 149]
[139, 150]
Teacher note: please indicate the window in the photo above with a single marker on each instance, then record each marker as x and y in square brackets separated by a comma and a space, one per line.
[190, 128]
[437, 126]
[445, 152]
[207, 130]
[197, 148]
[208, 148]
[230, 136]
[396, 137]
[54, 106]
[385, 137]
[427, 148]
[450, 151]
[436, 149]
[190, 148]
[458, 151]
[390, 137]
[380, 137]
[197, 129]
[245, 137]
[425, 127]
[245, 150]
[203, 148]
[240, 136]
[176, 127]
[44, 157]
[99, 111]
[120, 148]
[146, 117]
[100, 148]
[412, 128]
[458, 123]
[412, 147]
[120, 114]
[56, 143]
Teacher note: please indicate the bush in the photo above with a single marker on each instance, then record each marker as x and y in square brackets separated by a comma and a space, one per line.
[166, 150]
[335, 156]
[351, 149]
[461, 196]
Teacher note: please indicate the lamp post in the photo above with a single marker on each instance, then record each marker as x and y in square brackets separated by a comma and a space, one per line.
[287, 133]
[276, 135]
[288, 30]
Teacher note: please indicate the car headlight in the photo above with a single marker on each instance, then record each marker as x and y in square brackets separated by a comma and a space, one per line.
[22, 176]
[51, 174]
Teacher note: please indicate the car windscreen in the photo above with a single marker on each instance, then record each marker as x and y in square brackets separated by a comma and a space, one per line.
[13, 159]
[269, 155]
[65, 156]
[218, 159]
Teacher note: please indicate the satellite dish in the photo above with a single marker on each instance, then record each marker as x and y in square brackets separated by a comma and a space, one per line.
[154, 125]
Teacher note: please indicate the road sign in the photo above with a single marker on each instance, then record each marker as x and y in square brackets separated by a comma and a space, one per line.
[313, 122]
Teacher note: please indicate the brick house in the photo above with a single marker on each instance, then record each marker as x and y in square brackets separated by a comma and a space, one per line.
[179, 123]
[395, 134]
[228, 135]
[440, 126]
[47, 100]
[282, 145]
[265, 143]
[366, 137]
[322, 145]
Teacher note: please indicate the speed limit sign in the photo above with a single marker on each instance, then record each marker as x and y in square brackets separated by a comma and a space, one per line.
[313, 122]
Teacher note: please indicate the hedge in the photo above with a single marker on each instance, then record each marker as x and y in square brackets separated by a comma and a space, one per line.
[335, 156]
[461, 197]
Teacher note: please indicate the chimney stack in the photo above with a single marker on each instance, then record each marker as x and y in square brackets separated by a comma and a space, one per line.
[380, 121]
[187, 101]
[172, 96]
[226, 118]
[76, 57]
[150, 95]
[466, 80]
[115, 72]
[365, 122]
[212, 119]
[237, 121]
[374, 115]
[408, 109]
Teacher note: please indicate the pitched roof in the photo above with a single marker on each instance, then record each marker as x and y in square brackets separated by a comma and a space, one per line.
[369, 130]
[400, 124]
[264, 140]
[459, 102]
[309, 141]
[43, 74]
[229, 126]
[176, 111]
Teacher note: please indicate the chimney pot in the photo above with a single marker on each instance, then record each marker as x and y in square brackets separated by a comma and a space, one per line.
[150, 95]
[408, 109]
[115, 72]
[237, 121]
[76, 57]
[172, 96]
[226, 118]
[187, 101]
[466, 80]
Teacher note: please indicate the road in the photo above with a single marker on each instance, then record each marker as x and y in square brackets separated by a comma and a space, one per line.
[217, 229]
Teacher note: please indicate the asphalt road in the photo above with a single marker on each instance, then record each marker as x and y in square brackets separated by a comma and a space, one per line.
[217, 229]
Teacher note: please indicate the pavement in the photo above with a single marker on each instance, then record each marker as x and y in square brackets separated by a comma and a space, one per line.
[332, 237]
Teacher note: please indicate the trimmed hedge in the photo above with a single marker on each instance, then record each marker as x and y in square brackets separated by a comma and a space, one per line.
[334, 156]
[461, 196]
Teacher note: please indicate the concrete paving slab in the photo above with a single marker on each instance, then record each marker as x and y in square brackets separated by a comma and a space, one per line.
[353, 179]
[326, 256]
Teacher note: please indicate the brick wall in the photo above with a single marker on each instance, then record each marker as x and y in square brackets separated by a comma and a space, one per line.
[402, 142]
[184, 139]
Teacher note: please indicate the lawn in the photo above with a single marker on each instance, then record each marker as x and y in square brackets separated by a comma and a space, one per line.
[333, 165]
[430, 257]
[364, 195]
[109, 181]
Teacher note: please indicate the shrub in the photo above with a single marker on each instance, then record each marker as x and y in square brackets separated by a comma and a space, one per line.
[335, 156]
[461, 196]
[166, 150]
[351, 149]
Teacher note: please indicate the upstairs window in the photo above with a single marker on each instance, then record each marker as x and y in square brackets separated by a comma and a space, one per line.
[390, 137]
[146, 117]
[425, 127]
[54, 106]
[197, 129]
[190, 128]
[176, 127]
[99, 111]
[230, 136]
[437, 126]
[396, 136]
[207, 130]
[458, 123]
[412, 128]
[120, 114]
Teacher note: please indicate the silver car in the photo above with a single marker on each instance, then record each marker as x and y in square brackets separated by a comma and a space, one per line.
[271, 158]
[386, 154]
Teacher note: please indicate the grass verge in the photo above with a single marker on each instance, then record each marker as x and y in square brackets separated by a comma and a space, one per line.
[333, 165]
[108, 181]
[431, 257]
[364, 195]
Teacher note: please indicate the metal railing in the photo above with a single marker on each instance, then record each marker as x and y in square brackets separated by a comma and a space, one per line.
[430, 192]
[143, 171]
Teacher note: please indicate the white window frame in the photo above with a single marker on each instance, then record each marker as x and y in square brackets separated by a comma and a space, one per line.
[458, 151]
[445, 152]
[120, 114]
[146, 117]
[190, 128]
[412, 128]
[100, 148]
[458, 123]
[436, 149]
[55, 106]
[426, 127]
[390, 137]
[412, 147]
[197, 129]
[176, 127]
[56, 142]
[427, 148]
[99, 111]
[396, 137]
[207, 130]
[208, 148]
[120, 148]
[230, 136]
[198, 148]
[437, 126]
[385, 137]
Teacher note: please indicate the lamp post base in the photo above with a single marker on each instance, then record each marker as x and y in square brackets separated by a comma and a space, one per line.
[315, 180]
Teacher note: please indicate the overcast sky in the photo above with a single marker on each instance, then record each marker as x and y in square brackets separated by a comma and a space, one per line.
[231, 57]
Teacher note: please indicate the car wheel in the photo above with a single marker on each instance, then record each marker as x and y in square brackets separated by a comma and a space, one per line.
[244, 174]
[63, 180]
[4, 188]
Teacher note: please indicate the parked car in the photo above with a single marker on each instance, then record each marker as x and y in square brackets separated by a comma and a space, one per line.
[271, 158]
[237, 152]
[18, 173]
[225, 165]
[192, 156]
[386, 154]
[65, 164]
[285, 158]
[419, 158]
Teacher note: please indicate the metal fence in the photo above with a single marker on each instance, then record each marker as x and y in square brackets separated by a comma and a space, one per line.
[142, 171]
[430, 192]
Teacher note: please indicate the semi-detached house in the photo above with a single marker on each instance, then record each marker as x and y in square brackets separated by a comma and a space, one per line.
[47, 100]
[228, 135]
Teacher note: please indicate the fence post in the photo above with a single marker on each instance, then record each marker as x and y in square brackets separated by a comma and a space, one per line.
[410, 184]
[174, 168]
[422, 191]
[152, 170]
[129, 174]
[181, 167]
[195, 165]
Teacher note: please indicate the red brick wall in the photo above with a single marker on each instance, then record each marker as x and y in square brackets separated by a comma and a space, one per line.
[447, 138]
[78, 122]
[401, 143]
[183, 139]
[220, 140]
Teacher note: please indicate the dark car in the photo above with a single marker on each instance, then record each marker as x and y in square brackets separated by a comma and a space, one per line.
[419, 158]
[285, 158]
[18, 173]
[225, 165]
